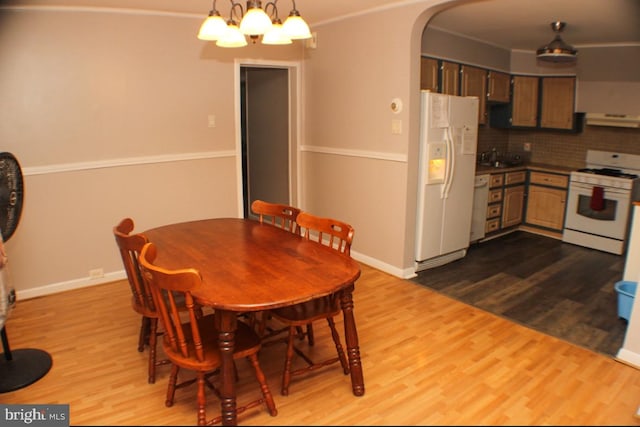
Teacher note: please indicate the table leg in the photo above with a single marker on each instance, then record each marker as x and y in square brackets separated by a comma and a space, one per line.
[351, 338]
[226, 322]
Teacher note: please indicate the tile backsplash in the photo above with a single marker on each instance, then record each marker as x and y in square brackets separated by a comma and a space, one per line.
[560, 148]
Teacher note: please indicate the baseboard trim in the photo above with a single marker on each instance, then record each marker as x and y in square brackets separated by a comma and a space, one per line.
[55, 288]
[629, 358]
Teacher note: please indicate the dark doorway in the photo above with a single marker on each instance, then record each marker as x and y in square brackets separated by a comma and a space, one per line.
[265, 135]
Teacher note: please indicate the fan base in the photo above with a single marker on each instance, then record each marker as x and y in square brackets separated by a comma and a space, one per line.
[25, 367]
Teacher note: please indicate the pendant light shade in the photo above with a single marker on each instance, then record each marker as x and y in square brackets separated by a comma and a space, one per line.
[213, 27]
[276, 35]
[295, 27]
[255, 21]
[232, 36]
[557, 50]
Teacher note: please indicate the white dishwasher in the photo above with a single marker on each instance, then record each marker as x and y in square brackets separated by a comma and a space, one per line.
[480, 199]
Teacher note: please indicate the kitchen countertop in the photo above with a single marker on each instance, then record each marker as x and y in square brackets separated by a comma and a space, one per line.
[482, 169]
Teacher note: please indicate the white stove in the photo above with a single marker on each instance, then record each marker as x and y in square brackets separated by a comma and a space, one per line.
[600, 200]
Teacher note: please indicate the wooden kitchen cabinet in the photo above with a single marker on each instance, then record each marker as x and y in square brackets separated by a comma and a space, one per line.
[429, 74]
[513, 198]
[522, 111]
[497, 180]
[513, 206]
[517, 177]
[494, 203]
[450, 78]
[474, 83]
[557, 102]
[524, 108]
[505, 207]
[546, 200]
[499, 87]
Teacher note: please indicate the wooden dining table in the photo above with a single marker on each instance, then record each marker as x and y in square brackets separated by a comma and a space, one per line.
[249, 266]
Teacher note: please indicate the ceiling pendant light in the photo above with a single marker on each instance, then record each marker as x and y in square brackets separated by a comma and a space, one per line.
[276, 35]
[294, 26]
[256, 22]
[232, 37]
[213, 27]
[557, 50]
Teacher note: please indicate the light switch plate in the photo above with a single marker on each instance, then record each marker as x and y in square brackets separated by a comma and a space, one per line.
[396, 127]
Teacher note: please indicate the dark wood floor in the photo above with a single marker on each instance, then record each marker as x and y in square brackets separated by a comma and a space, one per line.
[557, 288]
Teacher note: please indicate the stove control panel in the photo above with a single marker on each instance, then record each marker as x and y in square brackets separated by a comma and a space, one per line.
[602, 180]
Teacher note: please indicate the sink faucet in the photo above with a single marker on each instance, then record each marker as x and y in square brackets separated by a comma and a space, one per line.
[494, 156]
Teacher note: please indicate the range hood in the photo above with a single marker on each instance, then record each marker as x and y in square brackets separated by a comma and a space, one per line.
[616, 120]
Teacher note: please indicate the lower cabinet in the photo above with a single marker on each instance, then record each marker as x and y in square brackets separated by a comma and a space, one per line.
[513, 206]
[506, 200]
[517, 203]
[546, 201]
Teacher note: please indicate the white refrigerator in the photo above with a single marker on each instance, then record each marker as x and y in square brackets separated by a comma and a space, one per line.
[448, 145]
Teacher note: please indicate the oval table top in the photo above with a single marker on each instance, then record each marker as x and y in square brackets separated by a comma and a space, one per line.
[252, 266]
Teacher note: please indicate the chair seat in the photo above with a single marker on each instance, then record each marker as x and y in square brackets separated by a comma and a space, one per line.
[306, 312]
[246, 342]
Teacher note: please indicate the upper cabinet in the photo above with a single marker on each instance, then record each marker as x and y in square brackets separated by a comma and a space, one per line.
[540, 103]
[499, 87]
[507, 101]
[474, 83]
[524, 105]
[449, 72]
[429, 74]
[557, 102]
[439, 76]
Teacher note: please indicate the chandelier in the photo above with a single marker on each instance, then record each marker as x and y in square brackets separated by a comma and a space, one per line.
[253, 22]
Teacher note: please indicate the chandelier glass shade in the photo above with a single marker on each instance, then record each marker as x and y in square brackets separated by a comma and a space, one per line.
[255, 21]
[557, 50]
[276, 35]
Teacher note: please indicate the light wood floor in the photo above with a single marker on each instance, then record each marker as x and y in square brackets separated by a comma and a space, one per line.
[427, 360]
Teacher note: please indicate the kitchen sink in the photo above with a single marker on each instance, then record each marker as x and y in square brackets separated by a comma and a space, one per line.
[501, 165]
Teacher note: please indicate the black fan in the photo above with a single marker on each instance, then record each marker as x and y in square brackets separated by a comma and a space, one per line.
[22, 367]
[11, 194]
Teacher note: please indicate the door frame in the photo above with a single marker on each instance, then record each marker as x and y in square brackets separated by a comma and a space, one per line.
[295, 125]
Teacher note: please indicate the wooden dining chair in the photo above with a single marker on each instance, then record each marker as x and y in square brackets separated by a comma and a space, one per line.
[130, 246]
[339, 236]
[190, 340]
[278, 215]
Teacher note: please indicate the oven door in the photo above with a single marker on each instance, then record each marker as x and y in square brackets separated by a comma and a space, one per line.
[610, 221]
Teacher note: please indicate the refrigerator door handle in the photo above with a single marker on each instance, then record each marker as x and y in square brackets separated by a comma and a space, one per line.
[447, 167]
[450, 164]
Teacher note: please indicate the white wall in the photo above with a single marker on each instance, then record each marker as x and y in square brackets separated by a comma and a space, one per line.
[355, 167]
[107, 113]
[630, 351]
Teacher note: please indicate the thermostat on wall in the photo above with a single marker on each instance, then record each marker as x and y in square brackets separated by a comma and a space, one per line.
[396, 105]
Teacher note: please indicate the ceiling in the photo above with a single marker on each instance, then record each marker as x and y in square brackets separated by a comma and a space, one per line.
[526, 25]
[511, 24]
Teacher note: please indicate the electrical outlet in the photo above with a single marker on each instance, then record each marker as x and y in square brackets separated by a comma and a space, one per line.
[96, 273]
[527, 146]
